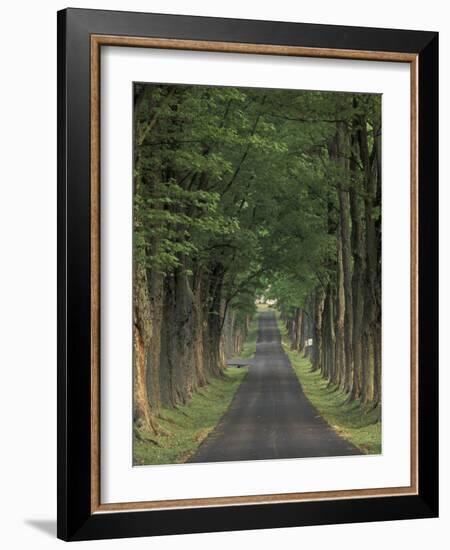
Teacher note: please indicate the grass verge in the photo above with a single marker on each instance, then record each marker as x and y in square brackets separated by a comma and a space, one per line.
[188, 425]
[355, 422]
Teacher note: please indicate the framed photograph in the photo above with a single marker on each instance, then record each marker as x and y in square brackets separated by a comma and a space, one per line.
[247, 254]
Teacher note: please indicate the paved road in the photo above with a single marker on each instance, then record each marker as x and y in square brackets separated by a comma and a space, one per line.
[270, 416]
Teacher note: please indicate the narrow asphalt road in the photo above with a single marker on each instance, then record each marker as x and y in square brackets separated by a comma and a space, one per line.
[270, 417]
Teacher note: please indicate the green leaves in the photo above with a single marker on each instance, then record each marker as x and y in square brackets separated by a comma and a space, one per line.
[241, 178]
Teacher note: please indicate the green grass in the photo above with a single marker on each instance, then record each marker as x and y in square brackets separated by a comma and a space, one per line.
[355, 422]
[188, 425]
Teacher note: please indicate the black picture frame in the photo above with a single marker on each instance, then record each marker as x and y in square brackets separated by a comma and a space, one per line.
[75, 518]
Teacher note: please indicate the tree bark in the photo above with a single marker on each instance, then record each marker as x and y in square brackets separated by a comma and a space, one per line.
[319, 301]
[344, 219]
[357, 237]
[143, 416]
[372, 311]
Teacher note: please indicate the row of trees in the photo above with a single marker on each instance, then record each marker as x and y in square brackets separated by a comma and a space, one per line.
[240, 190]
[338, 324]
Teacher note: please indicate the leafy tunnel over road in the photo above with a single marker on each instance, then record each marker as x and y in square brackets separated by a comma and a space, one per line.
[242, 193]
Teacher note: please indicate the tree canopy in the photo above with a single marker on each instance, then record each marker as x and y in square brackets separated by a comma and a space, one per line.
[241, 192]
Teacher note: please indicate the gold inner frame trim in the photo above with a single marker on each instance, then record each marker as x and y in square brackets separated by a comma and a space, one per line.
[97, 41]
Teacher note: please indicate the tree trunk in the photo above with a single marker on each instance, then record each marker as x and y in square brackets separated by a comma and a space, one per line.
[297, 329]
[143, 416]
[371, 280]
[156, 295]
[344, 219]
[329, 336]
[377, 367]
[319, 300]
[340, 318]
[359, 374]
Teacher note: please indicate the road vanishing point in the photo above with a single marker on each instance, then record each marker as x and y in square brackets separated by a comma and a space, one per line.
[270, 416]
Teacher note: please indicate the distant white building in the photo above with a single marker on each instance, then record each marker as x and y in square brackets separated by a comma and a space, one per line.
[264, 300]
